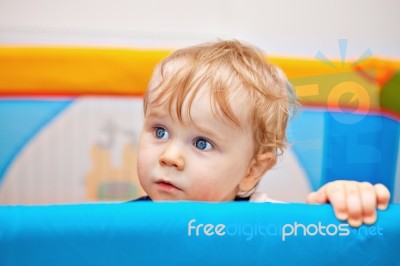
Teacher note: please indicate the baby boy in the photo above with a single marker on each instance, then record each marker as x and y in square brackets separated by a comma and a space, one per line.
[215, 123]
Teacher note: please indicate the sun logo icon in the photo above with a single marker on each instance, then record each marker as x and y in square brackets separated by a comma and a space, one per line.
[343, 51]
[343, 90]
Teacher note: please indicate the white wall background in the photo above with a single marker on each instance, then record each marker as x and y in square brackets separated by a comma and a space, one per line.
[284, 27]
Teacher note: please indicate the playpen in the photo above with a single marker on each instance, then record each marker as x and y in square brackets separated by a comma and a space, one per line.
[70, 118]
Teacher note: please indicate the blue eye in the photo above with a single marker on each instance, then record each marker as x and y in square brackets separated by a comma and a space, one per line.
[203, 144]
[161, 133]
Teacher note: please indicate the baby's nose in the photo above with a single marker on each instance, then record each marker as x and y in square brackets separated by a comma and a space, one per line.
[172, 157]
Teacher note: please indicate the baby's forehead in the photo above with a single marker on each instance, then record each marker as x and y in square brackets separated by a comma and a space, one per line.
[202, 104]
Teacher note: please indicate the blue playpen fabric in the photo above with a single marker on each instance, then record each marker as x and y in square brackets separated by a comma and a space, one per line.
[188, 233]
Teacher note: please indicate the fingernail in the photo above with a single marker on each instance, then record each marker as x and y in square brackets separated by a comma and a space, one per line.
[369, 220]
[381, 207]
[355, 223]
[341, 216]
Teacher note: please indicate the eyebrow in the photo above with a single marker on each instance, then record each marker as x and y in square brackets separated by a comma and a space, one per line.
[213, 134]
[156, 114]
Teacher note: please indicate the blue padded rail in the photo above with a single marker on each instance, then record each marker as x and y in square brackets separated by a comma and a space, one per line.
[236, 233]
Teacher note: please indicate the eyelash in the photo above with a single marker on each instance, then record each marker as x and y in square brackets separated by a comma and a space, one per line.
[209, 144]
[155, 132]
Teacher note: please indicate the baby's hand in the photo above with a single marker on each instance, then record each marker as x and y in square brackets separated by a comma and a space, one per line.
[353, 201]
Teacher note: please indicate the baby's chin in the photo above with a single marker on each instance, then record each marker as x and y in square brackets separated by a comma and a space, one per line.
[168, 197]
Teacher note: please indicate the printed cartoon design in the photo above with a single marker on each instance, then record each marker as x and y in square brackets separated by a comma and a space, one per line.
[107, 181]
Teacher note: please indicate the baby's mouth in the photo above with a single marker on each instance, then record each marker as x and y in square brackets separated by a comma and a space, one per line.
[166, 186]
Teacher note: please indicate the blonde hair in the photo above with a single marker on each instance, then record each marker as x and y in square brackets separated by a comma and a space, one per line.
[226, 66]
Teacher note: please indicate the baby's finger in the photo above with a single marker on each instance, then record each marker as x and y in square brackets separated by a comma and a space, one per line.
[354, 208]
[312, 198]
[368, 202]
[317, 197]
[336, 195]
[382, 196]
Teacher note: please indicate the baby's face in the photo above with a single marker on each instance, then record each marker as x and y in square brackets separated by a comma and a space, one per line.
[200, 160]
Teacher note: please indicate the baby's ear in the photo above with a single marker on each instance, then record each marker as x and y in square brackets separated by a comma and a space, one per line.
[258, 165]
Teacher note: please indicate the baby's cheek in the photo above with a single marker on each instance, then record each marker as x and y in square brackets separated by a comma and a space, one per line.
[205, 193]
[212, 186]
[143, 163]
